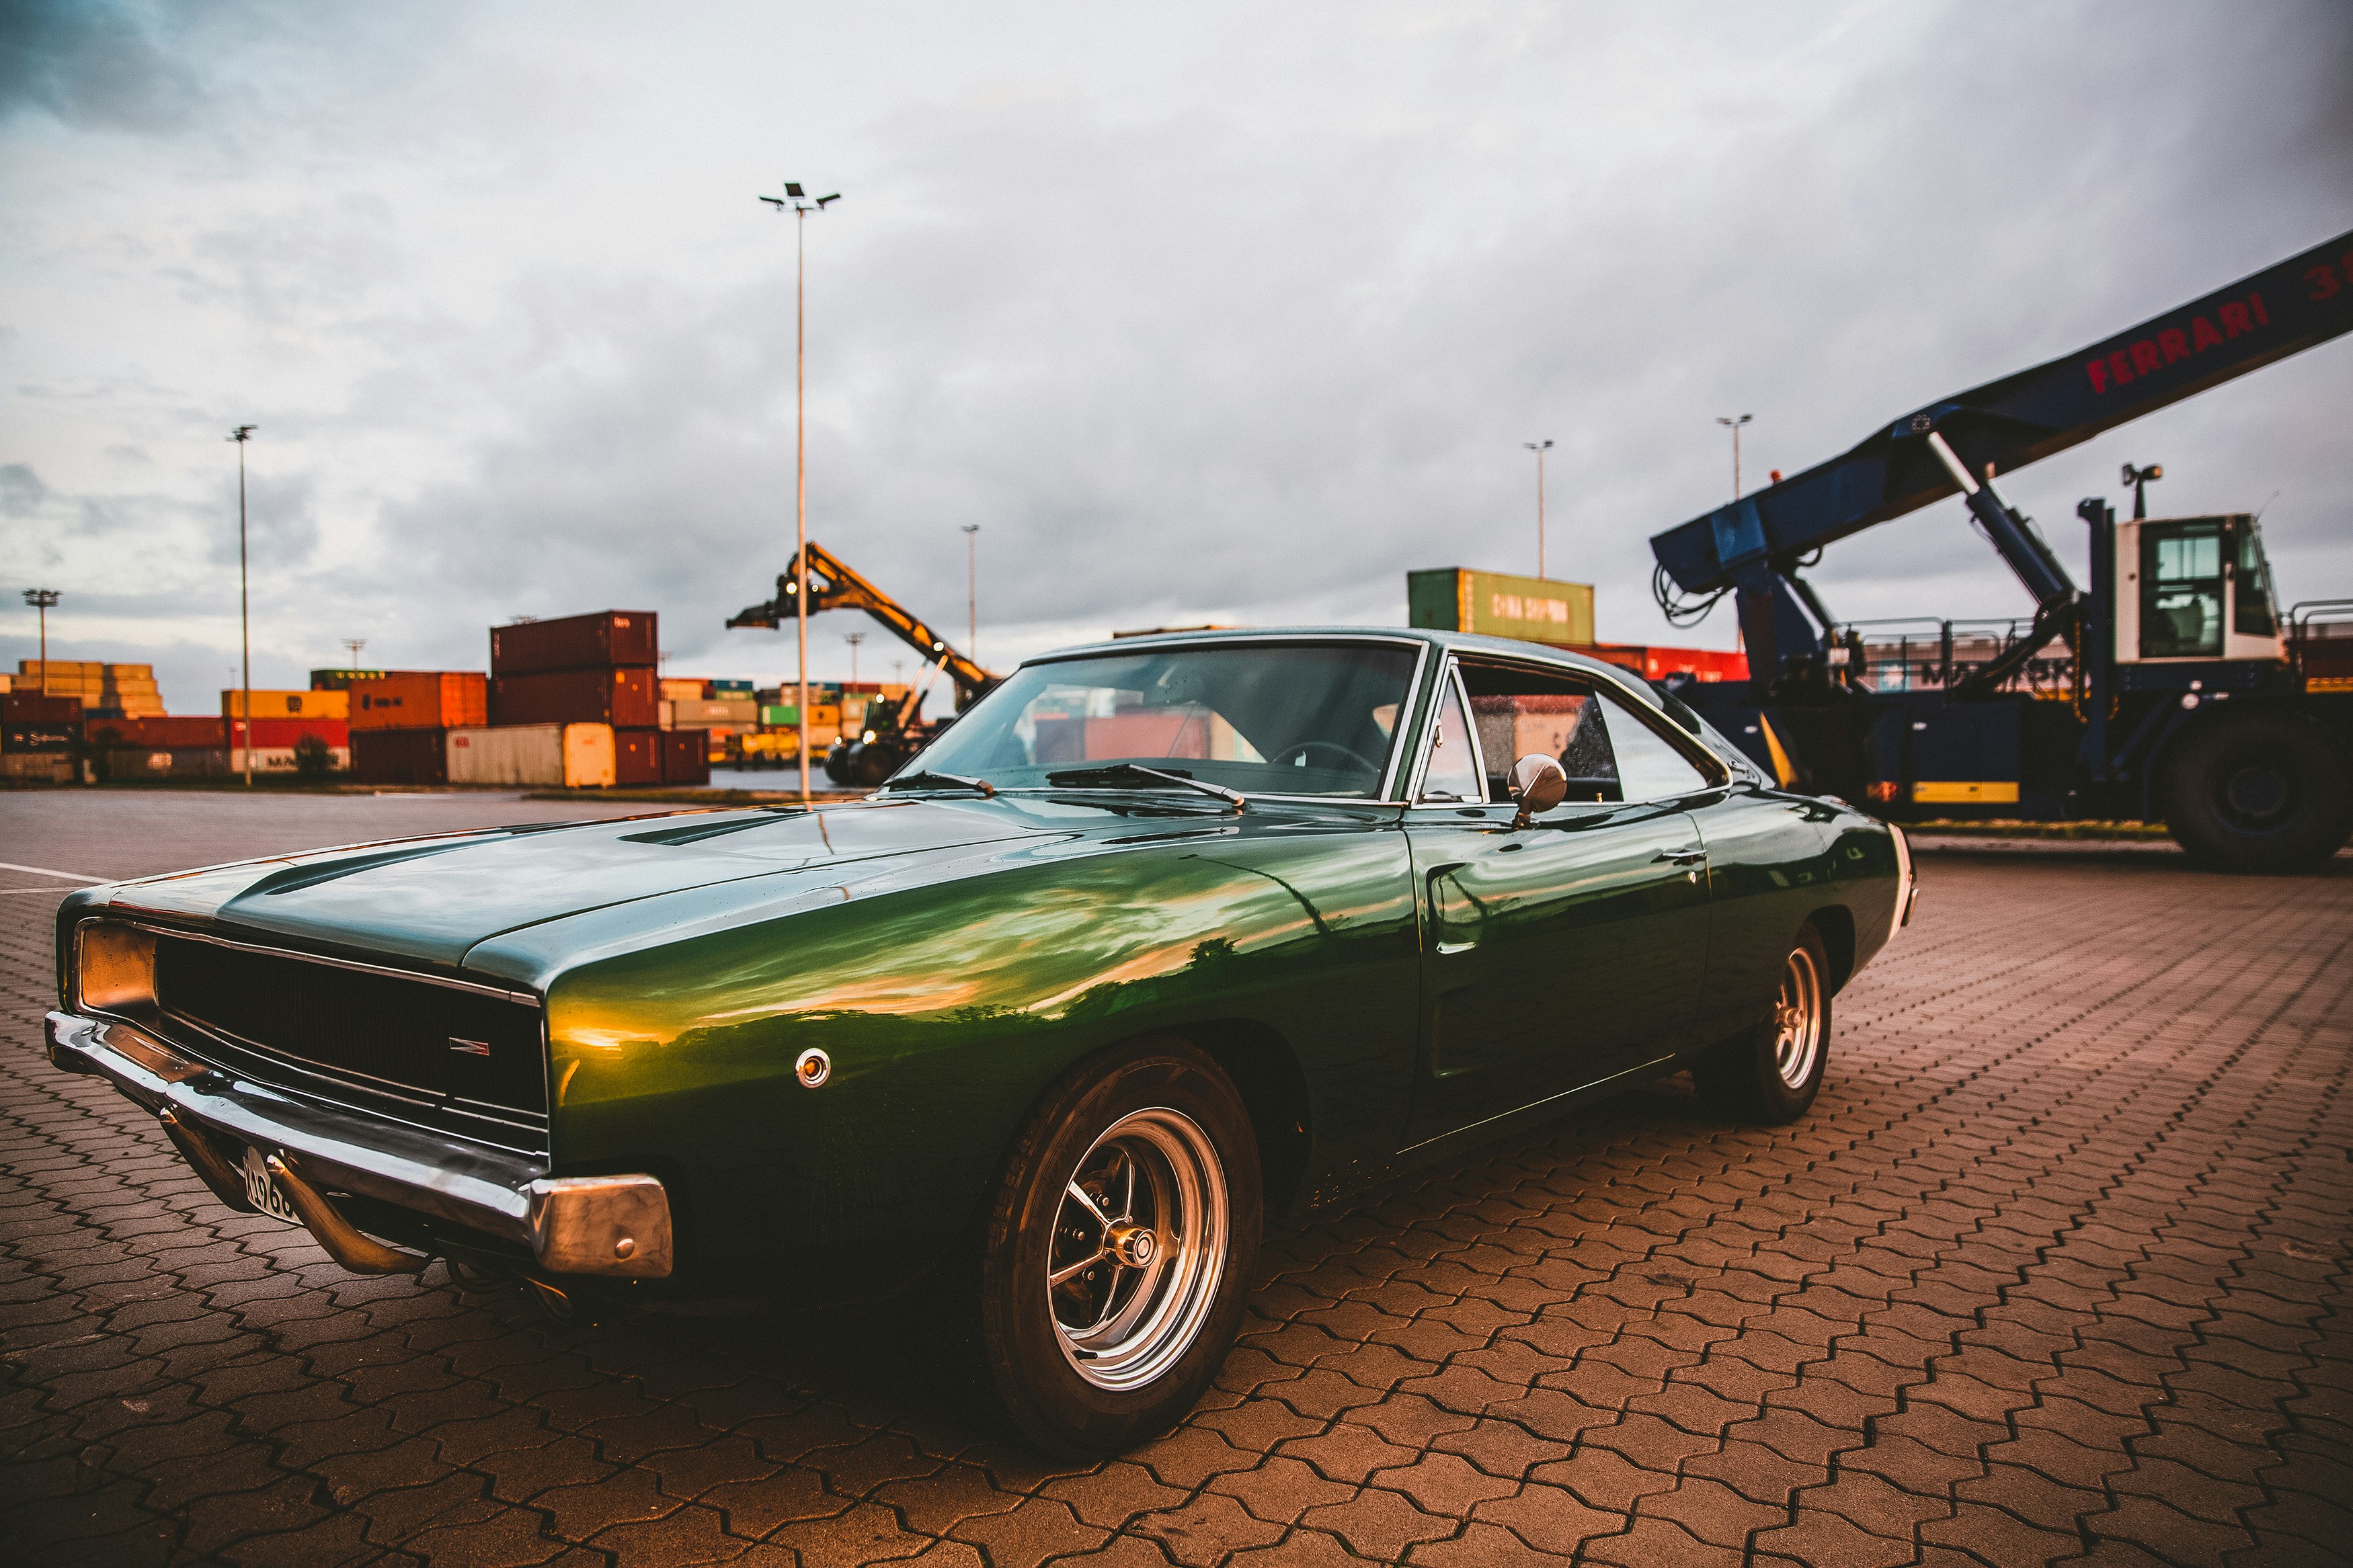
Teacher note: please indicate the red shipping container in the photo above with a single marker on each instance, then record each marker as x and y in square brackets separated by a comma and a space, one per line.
[606, 638]
[636, 758]
[401, 757]
[625, 699]
[32, 708]
[685, 757]
[421, 700]
[271, 733]
[190, 732]
[1705, 664]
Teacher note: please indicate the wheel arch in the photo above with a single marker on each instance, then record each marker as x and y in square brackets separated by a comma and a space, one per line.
[1266, 1072]
[1836, 925]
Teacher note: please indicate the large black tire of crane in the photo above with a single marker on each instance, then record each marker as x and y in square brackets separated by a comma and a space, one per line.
[2265, 793]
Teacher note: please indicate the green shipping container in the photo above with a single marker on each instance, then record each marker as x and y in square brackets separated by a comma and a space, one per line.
[1533, 609]
[780, 715]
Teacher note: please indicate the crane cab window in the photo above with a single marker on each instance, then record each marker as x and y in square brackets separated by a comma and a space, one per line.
[2181, 589]
[2251, 615]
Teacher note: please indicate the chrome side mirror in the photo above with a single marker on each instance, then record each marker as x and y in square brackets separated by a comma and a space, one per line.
[1538, 785]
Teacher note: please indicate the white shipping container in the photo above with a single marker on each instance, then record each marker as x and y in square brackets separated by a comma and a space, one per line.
[547, 756]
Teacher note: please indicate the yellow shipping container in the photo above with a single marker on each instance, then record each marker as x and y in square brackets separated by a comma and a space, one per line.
[288, 704]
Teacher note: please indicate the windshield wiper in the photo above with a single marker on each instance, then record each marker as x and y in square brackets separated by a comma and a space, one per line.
[1114, 771]
[926, 779]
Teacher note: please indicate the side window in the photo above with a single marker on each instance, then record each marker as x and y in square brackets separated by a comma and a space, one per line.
[1525, 711]
[1453, 771]
[1648, 767]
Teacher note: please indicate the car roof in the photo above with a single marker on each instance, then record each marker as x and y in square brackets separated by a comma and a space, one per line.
[1458, 642]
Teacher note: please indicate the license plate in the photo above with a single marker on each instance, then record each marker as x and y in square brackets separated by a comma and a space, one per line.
[262, 1191]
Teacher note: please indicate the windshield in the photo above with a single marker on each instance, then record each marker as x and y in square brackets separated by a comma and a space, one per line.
[1263, 719]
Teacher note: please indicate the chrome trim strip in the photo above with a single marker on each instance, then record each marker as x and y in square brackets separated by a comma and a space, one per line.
[522, 997]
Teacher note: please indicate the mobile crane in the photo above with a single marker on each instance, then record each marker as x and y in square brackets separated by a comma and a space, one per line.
[883, 746]
[2186, 697]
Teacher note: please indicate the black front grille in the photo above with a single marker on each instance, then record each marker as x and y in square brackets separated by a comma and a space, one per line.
[456, 1060]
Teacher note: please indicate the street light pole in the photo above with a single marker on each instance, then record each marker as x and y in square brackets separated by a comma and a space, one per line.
[1539, 448]
[796, 201]
[972, 591]
[854, 639]
[41, 599]
[1735, 425]
[241, 434]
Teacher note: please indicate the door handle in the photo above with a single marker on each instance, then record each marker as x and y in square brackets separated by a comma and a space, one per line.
[1679, 856]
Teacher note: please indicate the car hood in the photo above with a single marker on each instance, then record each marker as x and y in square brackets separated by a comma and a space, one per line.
[431, 900]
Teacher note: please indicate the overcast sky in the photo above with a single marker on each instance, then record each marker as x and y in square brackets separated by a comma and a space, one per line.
[1201, 312]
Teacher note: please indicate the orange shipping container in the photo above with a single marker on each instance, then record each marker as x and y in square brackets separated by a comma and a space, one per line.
[421, 700]
[288, 704]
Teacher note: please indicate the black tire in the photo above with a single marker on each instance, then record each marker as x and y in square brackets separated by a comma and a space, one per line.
[1772, 1072]
[2265, 793]
[1177, 1123]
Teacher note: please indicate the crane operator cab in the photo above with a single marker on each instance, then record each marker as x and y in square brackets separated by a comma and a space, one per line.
[2195, 588]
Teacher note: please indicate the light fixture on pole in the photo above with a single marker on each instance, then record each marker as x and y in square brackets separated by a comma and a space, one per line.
[1735, 425]
[354, 644]
[1539, 448]
[43, 600]
[854, 639]
[972, 589]
[241, 434]
[797, 202]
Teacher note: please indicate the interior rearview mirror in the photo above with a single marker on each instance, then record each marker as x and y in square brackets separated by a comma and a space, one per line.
[1538, 785]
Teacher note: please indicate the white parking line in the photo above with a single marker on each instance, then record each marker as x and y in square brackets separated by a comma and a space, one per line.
[45, 871]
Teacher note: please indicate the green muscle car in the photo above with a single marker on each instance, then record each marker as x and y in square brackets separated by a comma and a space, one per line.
[1161, 936]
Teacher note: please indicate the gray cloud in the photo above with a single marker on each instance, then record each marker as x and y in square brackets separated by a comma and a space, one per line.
[1218, 316]
[93, 64]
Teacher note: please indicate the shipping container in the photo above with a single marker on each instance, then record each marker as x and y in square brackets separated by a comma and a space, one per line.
[1705, 664]
[722, 689]
[163, 733]
[703, 715]
[1533, 609]
[421, 700]
[288, 704]
[40, 767]
[341, 679]
[685, 758]
[606, 638]
[123, 764]
[622, 697]
[32, 708]
[636, 758]
[271, 733]
[51, 737]
[400, 756]
[284, 759]
[677, 691]
[565, 756]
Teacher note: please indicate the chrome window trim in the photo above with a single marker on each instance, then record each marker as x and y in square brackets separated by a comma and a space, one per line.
[1712, 767]
[1451, 678]
[521, 995]
[1397, 737]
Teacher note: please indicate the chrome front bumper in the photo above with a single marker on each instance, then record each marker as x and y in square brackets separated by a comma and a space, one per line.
[613, 1226]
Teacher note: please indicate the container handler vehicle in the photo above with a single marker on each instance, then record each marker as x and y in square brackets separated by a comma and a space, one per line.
[891, 736]
[2172, 688]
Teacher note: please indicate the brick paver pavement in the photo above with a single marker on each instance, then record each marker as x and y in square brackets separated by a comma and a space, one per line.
[2055, 1271]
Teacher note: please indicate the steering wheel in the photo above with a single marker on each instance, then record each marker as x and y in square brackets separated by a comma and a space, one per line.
[1305, 749]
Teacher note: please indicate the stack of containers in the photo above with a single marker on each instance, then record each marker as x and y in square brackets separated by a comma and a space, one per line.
[104, 691]
[561, 679]
[39, 736]
[191, 745]
[401, 720]
[280, 721]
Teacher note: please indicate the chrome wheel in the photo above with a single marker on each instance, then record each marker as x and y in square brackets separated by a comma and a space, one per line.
[1139, 1248]
[1798, 1019]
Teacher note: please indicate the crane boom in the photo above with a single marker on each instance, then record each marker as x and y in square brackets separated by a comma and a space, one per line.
[834, 586]
[1754, 544]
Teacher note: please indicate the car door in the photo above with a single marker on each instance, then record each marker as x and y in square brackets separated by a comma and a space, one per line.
[1558, 955]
